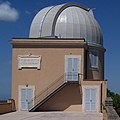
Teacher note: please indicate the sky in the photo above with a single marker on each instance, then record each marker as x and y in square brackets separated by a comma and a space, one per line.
[15, 20]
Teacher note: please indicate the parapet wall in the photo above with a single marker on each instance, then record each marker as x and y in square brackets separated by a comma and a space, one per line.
[6, 107]
[111, 113]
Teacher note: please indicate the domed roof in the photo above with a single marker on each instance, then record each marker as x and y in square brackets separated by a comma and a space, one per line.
[68, 20]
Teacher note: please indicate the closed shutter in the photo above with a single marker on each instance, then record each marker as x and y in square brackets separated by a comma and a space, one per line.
[29, 97]
[26, 95]
[23, 99]
[93, 99]
[69, 69]
[72, 68]
[87, 99]
[90, 100]
[75, 68]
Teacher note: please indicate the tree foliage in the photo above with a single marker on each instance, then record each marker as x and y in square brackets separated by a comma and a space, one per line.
[116, 100]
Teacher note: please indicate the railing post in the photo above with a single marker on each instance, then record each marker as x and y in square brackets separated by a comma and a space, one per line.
[65, 75]
[78, 77]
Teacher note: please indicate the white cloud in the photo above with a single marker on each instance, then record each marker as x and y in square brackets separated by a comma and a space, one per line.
[8, 13]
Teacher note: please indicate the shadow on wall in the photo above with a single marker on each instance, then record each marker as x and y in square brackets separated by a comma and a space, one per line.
[69, 98]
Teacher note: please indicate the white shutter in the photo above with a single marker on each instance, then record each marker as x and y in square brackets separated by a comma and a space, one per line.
[26, 95]
[29, 97]
[93, 99]
[75, 68]
[69, 68]
[23, 99]
[87, 99]
[72, 67]
[90, 100]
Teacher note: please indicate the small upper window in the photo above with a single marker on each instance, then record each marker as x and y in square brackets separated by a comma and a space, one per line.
[93, 55]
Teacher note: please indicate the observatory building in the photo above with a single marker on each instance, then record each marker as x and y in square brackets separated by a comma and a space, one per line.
[60, 67]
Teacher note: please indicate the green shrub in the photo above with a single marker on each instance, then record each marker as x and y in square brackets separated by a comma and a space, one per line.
[116, 100]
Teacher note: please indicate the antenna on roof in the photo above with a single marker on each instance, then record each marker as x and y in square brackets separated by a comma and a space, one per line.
[91, 11]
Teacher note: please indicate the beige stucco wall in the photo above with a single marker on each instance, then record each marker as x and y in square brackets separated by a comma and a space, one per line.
[52, 67]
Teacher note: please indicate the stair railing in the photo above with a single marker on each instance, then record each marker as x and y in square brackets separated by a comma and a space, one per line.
[47, 91]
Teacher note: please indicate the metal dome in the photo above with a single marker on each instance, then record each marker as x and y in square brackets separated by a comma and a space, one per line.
[69, 20]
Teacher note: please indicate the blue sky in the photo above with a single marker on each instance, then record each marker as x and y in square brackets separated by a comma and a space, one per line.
[16, 17]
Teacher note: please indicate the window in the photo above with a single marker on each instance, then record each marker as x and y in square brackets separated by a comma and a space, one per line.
[93, 56]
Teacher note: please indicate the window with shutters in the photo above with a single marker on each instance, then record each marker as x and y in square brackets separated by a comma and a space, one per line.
[72, 67]
[93, 57]
[91, 98]
[26, 94]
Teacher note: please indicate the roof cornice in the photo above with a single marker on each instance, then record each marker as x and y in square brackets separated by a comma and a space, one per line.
[45, 42]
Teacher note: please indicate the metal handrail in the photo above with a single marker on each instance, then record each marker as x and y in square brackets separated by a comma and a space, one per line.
[47, 91]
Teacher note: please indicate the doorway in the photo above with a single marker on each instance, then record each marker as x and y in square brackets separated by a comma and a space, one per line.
[26, 95]
[91, 98]
[72, 67]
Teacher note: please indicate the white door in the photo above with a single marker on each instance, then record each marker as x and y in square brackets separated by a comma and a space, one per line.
[26, 95]
[72, 64]
[90, 100]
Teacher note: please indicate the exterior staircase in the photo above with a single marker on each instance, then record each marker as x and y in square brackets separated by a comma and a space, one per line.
[48, 92]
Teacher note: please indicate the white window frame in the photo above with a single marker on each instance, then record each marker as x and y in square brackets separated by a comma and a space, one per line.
[93, 59]
[19, 94]
[73, 56]
[97, 87]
